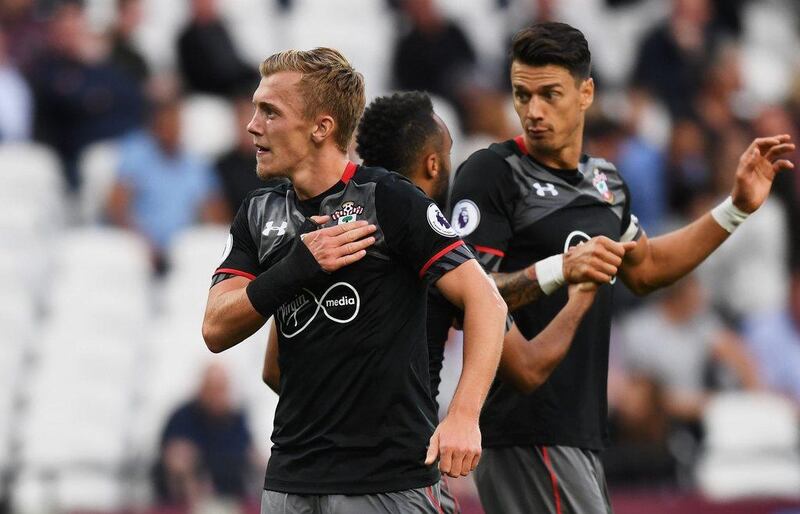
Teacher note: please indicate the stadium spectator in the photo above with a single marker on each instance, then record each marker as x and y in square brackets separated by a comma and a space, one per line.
[747, 275]
[236, 168]
[787, 187]
[25, 30]
[207, 56]
[674, 56]
[80, 97]
[639, 430]
[774, 340]
[123, 52]
[16, 103]
[688, 171]
[161, 188]
[206, 447]
[680, 344]
[433, 55]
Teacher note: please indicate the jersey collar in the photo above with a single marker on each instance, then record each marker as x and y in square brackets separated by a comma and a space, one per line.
[349, 171]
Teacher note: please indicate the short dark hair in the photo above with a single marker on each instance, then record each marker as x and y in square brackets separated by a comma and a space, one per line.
[553, 43]
[395, 129]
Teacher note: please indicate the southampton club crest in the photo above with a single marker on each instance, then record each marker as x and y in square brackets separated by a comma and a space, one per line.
[347, 212]
[600, 182]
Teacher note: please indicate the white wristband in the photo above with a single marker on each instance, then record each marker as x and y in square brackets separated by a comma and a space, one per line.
[728, 215]
[550, 273]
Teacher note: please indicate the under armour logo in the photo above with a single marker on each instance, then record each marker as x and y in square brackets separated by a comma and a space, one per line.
[541, 189]
[269, 228]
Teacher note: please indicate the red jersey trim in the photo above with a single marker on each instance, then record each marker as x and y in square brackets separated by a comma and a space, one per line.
[235, 272]
[553, 479]
[489, 249]
[349, 171]
[438, 256]
[520, 140]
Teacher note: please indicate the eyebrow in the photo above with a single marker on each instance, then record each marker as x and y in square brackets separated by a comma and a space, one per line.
[264, 105]
[520, 87]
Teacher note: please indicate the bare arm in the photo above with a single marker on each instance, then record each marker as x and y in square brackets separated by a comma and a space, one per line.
[527, 364]
[230, 317]
[730, 350]
[271, 374]
[518, 288]
[118, 206]
[215, 210]
[457, 439]
[660, 261]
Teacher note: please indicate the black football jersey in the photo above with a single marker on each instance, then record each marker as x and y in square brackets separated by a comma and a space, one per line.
[515, 211]
[355, 412]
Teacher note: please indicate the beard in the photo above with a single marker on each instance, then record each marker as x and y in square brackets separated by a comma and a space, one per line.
[440, 189]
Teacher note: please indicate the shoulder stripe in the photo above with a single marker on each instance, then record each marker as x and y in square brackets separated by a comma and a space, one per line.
[438, 255]
[488, 249]
[235, 272]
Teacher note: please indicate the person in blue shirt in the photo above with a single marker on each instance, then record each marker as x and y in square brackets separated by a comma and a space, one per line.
[161, 188]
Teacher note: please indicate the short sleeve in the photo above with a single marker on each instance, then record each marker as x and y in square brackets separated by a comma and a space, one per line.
[630, 230]
[482, 198]
[240, 256]
[417, 230]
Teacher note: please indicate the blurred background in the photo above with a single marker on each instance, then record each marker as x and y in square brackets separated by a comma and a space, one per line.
[123, 156]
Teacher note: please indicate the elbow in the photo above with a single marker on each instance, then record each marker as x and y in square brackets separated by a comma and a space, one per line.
[641, 287]
[213, 337]
[525, 381]
[530, 382]
[499, 303]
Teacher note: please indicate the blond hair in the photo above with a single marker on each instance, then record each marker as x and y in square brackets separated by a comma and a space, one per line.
[329, 84]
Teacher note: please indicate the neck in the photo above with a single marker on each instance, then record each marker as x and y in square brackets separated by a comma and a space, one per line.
[318, 173]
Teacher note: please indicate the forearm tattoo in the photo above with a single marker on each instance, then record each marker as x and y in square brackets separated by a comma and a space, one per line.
[517, 289]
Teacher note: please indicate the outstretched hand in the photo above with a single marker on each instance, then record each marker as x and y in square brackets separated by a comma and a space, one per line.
[757, 168]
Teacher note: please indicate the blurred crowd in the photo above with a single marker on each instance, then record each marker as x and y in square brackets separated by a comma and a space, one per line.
[682, 88]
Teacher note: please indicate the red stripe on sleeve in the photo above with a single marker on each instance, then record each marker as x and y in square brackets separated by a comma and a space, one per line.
[489, 249]
[436, 257]
[553, 479]
[235, 272]
[520, 140]
[349, 171]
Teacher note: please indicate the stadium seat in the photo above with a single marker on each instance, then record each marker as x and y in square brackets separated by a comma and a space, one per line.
[258, 27]
[70, 491]
[197, 250]
[157, 35]
[208, 125]
[105, 254]
[751, 447]
[98, 167]
[346, 26]
[30, 170]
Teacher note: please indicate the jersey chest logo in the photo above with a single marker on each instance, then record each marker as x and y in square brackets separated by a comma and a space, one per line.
[339, 303]
[347, 212]
[270, 227]
[600, 182]
[542, 190]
